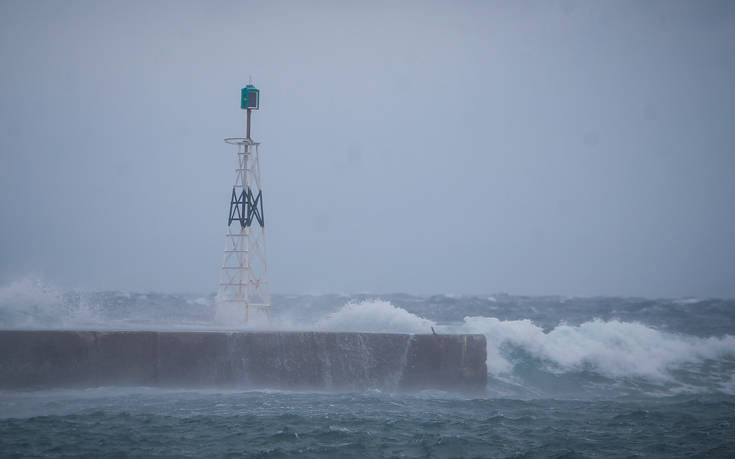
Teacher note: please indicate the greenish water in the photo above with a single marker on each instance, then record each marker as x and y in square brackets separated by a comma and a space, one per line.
[141, 422]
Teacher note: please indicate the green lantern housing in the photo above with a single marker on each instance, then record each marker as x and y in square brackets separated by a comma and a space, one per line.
[250, 98]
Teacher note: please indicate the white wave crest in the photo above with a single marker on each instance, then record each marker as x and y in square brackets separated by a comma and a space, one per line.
[613, 348]
[374, 316]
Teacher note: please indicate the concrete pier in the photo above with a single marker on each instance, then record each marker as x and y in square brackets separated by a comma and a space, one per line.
[279, 360]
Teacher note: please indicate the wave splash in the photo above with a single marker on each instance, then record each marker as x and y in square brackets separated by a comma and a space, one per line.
[30, 303]
[613, 348]
[524, 358]
[633, 356]
[374, 316]
[593, 353]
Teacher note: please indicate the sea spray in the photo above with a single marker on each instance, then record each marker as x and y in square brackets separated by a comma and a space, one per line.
[31, 303]
[559, 349]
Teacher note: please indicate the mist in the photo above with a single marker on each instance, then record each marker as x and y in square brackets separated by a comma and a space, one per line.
[575, 148]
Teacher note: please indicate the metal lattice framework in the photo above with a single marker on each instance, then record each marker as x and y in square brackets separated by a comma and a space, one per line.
[244, 276]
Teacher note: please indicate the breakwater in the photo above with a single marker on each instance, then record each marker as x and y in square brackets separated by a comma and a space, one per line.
[278, 360]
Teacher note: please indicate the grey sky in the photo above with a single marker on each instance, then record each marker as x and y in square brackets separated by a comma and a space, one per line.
[576, 148]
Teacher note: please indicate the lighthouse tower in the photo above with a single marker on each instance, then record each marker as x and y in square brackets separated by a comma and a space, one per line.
[244, 276]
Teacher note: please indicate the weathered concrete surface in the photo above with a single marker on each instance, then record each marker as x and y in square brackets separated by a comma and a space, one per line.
[284, 360]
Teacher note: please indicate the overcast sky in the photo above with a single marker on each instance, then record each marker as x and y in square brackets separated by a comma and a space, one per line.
[576, 148]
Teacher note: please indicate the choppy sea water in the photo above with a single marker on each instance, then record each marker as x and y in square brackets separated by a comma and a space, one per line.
[147, 422]
[567, 377]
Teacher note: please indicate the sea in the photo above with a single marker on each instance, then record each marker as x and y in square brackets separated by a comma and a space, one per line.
[567, 377]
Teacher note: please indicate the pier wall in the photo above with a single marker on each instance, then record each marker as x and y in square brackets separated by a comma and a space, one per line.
[279, 360]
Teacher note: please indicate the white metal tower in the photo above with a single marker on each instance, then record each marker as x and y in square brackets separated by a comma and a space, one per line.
[244, 276]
